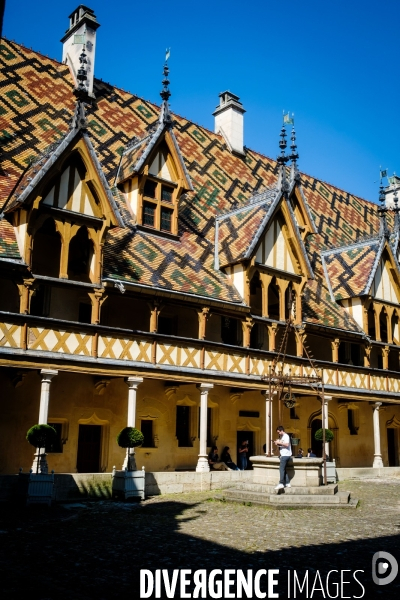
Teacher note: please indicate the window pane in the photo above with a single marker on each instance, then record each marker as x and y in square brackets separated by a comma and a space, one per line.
[150, 188]
[148, 214]
[166, 193]
[166, 218]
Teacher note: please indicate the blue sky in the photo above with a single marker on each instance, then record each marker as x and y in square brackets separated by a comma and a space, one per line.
[333, 63]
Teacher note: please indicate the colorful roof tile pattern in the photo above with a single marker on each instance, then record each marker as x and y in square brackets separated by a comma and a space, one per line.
[36, 106]
[349, 270]
[8, 242]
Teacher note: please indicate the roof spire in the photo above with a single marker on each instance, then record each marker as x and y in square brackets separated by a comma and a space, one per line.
[81, 93]
[282, 159]
[294, 174]
[396, 210]
[81, 90]
[382, 210]
[165, 93]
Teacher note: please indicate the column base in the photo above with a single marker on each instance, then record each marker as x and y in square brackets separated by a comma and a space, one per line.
[40, 463]
[378, 462]
[130, 461]
[202, 465]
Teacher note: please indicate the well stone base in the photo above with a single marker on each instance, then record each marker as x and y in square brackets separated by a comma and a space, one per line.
[303, 472]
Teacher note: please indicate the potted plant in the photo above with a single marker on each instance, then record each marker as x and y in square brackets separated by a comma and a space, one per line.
[41, 483]
[330, 464]
[129, 482]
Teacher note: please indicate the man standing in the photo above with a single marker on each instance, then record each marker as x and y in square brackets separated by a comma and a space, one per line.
[285, 451]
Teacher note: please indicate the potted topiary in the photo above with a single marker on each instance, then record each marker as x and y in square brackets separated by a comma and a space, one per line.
[330, 464]
[40, 483]
[129, 482]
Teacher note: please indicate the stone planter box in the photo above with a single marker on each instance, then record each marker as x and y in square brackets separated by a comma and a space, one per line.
[303, 472]
[128, 484]
[40, 488]
[331, 471]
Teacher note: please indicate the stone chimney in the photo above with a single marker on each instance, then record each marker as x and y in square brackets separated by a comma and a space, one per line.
[81, 32]
[229, 121]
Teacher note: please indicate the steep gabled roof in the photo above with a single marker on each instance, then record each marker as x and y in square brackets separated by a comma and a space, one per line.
[351, 269]
[35, 108]
[36, 172]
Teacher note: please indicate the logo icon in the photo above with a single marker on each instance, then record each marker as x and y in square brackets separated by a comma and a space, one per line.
[384, 564]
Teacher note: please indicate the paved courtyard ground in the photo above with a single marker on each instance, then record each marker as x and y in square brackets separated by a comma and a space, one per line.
[96, 549]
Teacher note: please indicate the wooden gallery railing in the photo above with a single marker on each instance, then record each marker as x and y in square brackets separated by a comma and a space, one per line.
[42, 336]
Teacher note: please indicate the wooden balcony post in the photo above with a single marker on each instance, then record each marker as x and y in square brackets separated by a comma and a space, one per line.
[247, 326]
[203, 316]
[335, 350]
[272, 331]
[155, 309]
[385, 357]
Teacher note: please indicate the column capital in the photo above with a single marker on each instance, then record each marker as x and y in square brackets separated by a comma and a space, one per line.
[133, 382]
[376, 405]
[205, 387]
[266, 393]
[48, 374]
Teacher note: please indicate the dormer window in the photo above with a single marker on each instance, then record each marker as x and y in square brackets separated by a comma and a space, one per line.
[159, 205]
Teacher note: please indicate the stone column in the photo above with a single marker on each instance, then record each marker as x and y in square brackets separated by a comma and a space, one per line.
[133, 384]
[377, 437]
[268, 420]
[202, 463]
[39, 462]
[326, 423]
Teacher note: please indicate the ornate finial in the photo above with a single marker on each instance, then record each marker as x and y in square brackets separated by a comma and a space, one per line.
[294, 156]
[82, 74]
[282, 160]
[396, 210]
[165, 94]
[382, 210]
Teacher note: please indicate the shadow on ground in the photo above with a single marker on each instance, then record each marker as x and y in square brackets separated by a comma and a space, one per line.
[96, 550]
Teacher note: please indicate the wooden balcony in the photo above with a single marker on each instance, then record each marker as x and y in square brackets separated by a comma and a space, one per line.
[63, 342]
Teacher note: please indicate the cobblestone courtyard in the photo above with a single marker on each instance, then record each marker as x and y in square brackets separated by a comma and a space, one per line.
[96, 549]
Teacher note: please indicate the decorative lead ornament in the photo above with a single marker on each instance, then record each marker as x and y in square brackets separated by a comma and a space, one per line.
[289, 400]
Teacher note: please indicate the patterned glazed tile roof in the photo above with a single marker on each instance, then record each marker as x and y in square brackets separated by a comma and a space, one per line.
[239, 228]
[36, 105]
[350, 269]
[8, 242]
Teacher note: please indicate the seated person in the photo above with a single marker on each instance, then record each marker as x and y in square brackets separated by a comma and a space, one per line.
[310, 453]
[300, 453]
[226, 458]
[214, 462]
